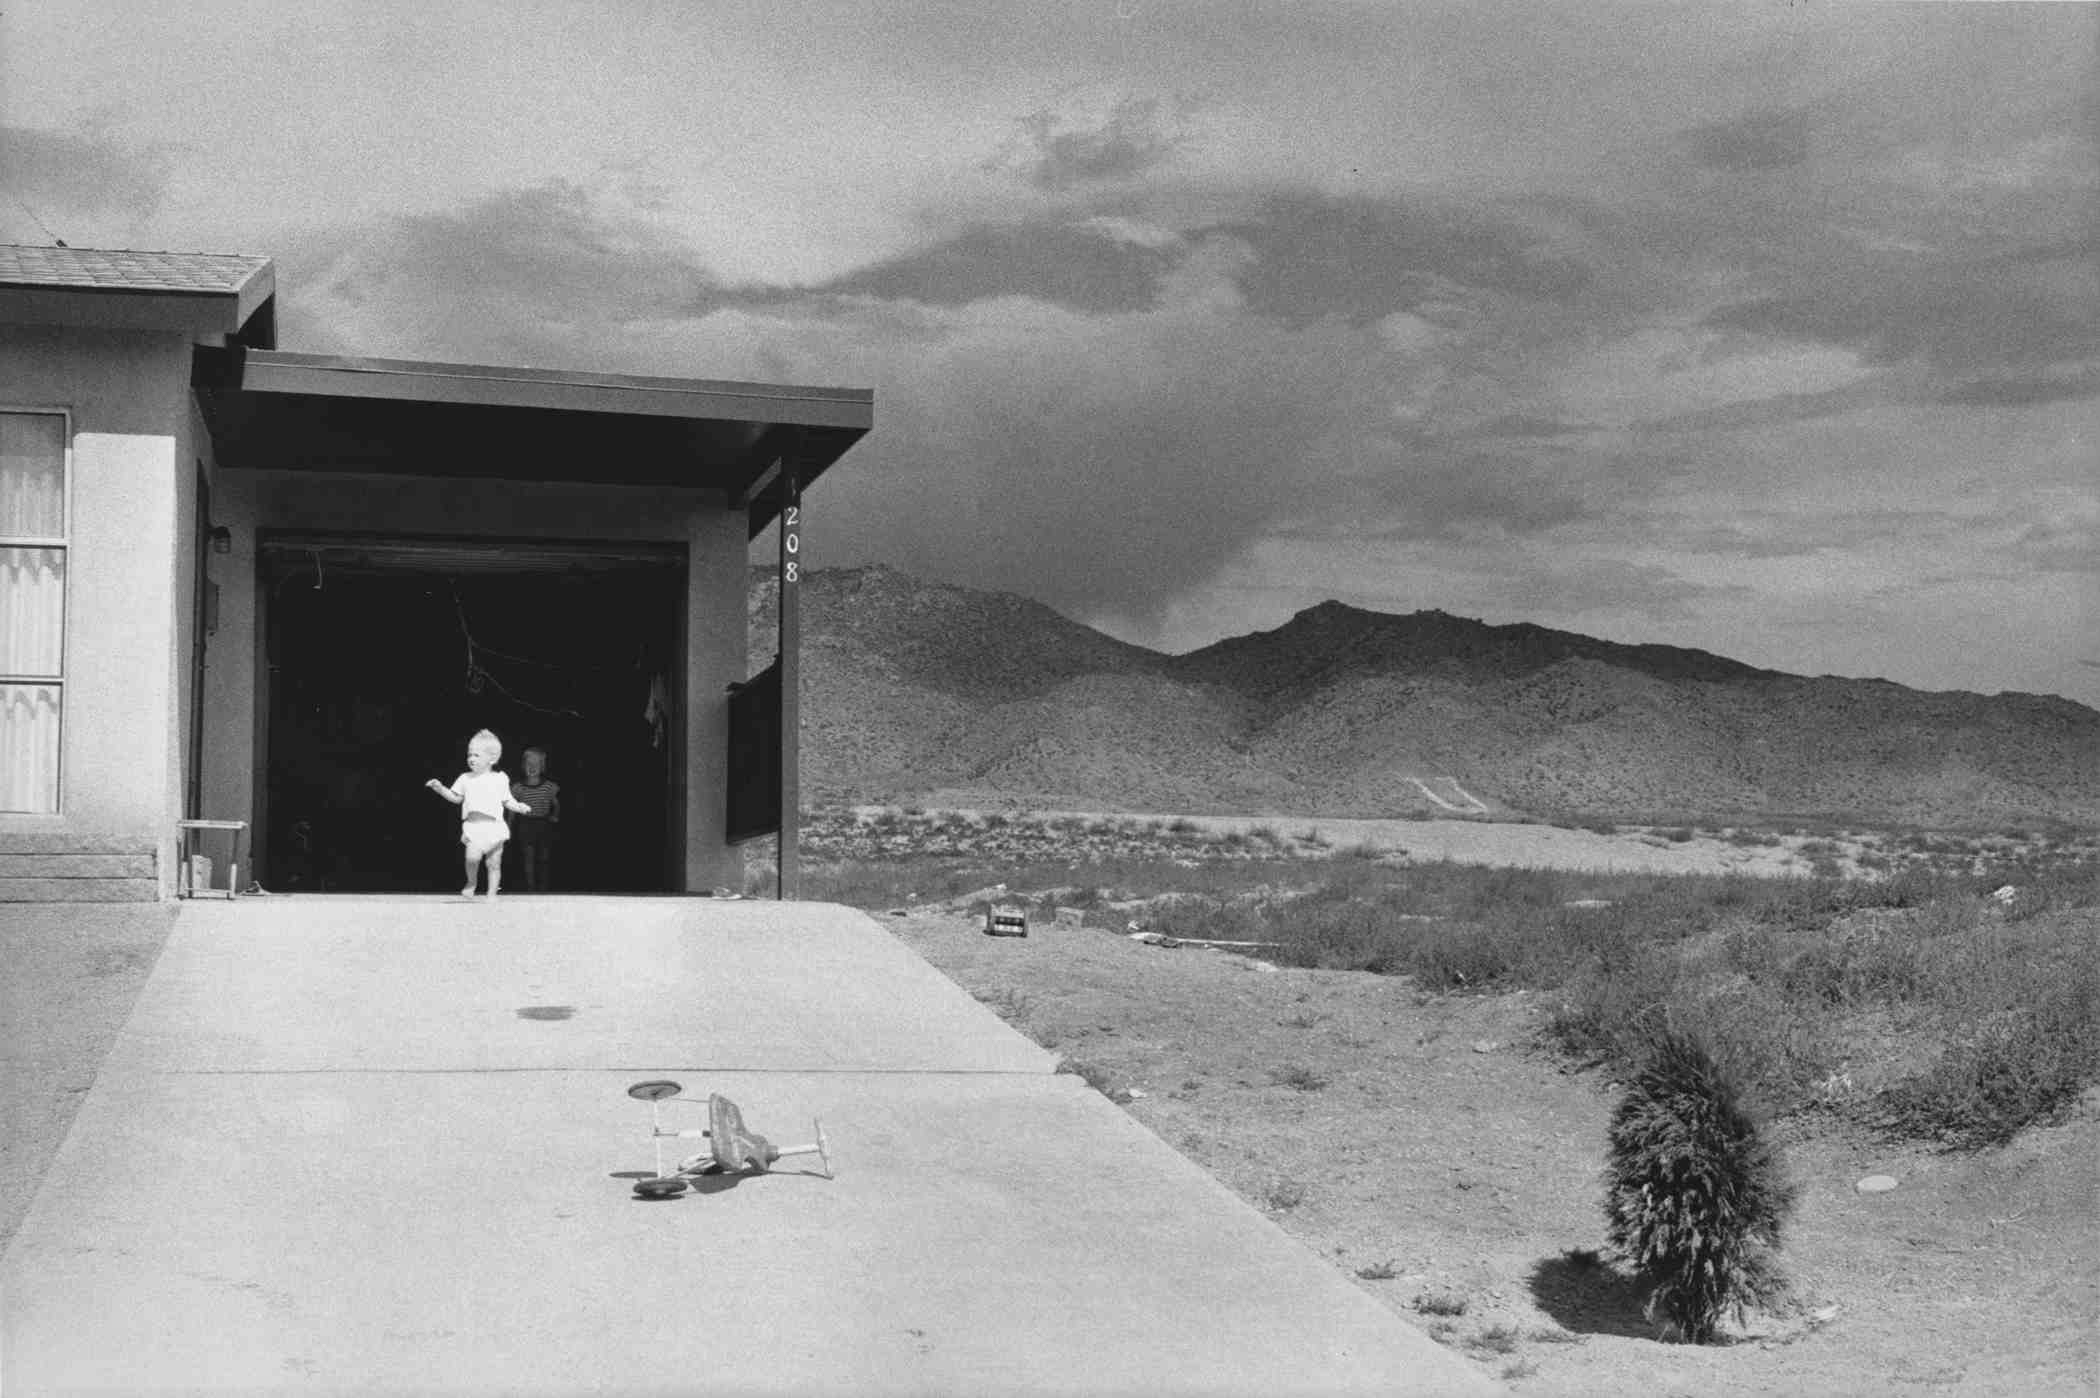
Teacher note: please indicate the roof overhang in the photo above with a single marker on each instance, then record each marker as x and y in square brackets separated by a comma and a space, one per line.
[277, 410]
[247, 313]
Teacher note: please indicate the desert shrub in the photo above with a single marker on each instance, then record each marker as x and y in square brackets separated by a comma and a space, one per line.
[1282, 1195]
[1101, 1079]
[1497, 1339]
[1299, 1076]
[2022, 1010]
[1696, 1196]
[1680, 835]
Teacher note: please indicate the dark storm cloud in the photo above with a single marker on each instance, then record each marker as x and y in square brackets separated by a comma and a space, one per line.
[56, 172]
[1312, 256]
[1447, 496]
[1569, 587]
[1053, 154]
[2003, 391]
[2061, 546]
[2032, 307]
[1363, 258]
[1060, 263]
[1098, 464]
[1520, 426]
[1769, 140]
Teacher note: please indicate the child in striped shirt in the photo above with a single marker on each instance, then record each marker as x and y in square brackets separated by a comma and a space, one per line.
[533, 830]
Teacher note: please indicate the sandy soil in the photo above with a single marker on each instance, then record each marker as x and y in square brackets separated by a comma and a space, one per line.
[1427, 1138]
[1513, 845]
[1509, 844]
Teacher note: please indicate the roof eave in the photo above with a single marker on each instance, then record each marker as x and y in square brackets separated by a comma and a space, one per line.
[192, 313]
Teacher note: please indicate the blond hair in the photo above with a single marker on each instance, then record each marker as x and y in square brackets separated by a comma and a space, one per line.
[488, 740]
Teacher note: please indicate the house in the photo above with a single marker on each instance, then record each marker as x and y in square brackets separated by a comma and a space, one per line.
[239, 583]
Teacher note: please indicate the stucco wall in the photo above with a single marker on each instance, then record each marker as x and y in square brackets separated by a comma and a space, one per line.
[127, 395]
[251, 502]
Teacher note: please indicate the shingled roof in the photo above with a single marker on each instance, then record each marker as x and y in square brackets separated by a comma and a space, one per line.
[206, 293]
[121, 270]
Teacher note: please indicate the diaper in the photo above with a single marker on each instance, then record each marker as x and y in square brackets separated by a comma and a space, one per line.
[481, 836]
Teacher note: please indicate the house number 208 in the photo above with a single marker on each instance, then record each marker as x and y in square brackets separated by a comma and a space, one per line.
[791, 543]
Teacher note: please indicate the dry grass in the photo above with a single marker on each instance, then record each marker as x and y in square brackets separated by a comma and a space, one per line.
[1992, 1005]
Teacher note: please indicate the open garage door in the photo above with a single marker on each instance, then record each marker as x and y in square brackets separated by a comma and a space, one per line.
[384, 655]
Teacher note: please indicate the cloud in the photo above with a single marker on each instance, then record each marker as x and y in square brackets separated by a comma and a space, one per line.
[1093, 461]
[1088, 268]
[1767, 140]
[1056, 151]
[2032, 307]
[541, 276]
[68, 178]
[1363, 258]
[2019, 391]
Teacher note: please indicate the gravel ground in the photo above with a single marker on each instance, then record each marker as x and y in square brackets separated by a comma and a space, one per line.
[72, 973]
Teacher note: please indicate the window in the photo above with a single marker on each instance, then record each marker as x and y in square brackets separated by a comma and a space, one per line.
[33, 531]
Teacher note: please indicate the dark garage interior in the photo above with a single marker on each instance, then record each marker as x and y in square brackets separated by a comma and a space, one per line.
[384, 658]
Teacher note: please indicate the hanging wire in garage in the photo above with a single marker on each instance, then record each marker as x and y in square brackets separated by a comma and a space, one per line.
[478, 677]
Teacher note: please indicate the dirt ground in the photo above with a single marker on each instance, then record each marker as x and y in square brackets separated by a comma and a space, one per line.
[1431, 1151]
[1513, 845]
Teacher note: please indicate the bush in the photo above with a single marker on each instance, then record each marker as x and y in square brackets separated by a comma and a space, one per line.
[2030, 1048]
[1696, 1196]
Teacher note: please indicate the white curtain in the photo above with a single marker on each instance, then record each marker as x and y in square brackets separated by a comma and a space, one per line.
[32, 612]
[29, 747]
[32, 476]
[32, 607]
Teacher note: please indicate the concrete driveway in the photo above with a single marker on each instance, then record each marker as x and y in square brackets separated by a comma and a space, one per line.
[383, 1145]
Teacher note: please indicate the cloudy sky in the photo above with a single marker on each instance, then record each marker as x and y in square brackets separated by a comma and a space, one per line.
[1771, 328]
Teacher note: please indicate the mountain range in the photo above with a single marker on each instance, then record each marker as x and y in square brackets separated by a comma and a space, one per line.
[922, 691]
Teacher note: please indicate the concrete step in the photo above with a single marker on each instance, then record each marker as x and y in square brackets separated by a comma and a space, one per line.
[77, 869]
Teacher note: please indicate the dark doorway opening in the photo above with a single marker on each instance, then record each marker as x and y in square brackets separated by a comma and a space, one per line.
[384, 658]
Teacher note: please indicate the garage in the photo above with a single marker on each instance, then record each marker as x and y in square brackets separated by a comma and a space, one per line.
[384, 655]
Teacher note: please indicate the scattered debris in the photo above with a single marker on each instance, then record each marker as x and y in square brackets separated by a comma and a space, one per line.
[1070, 917]
[1876, 1184]
[1160, 939]
[2005, 897]
[1485, 1046]
[896, 912]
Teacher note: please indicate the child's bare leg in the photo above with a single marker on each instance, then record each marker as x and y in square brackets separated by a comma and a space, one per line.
[495, 870]
[473, 867]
